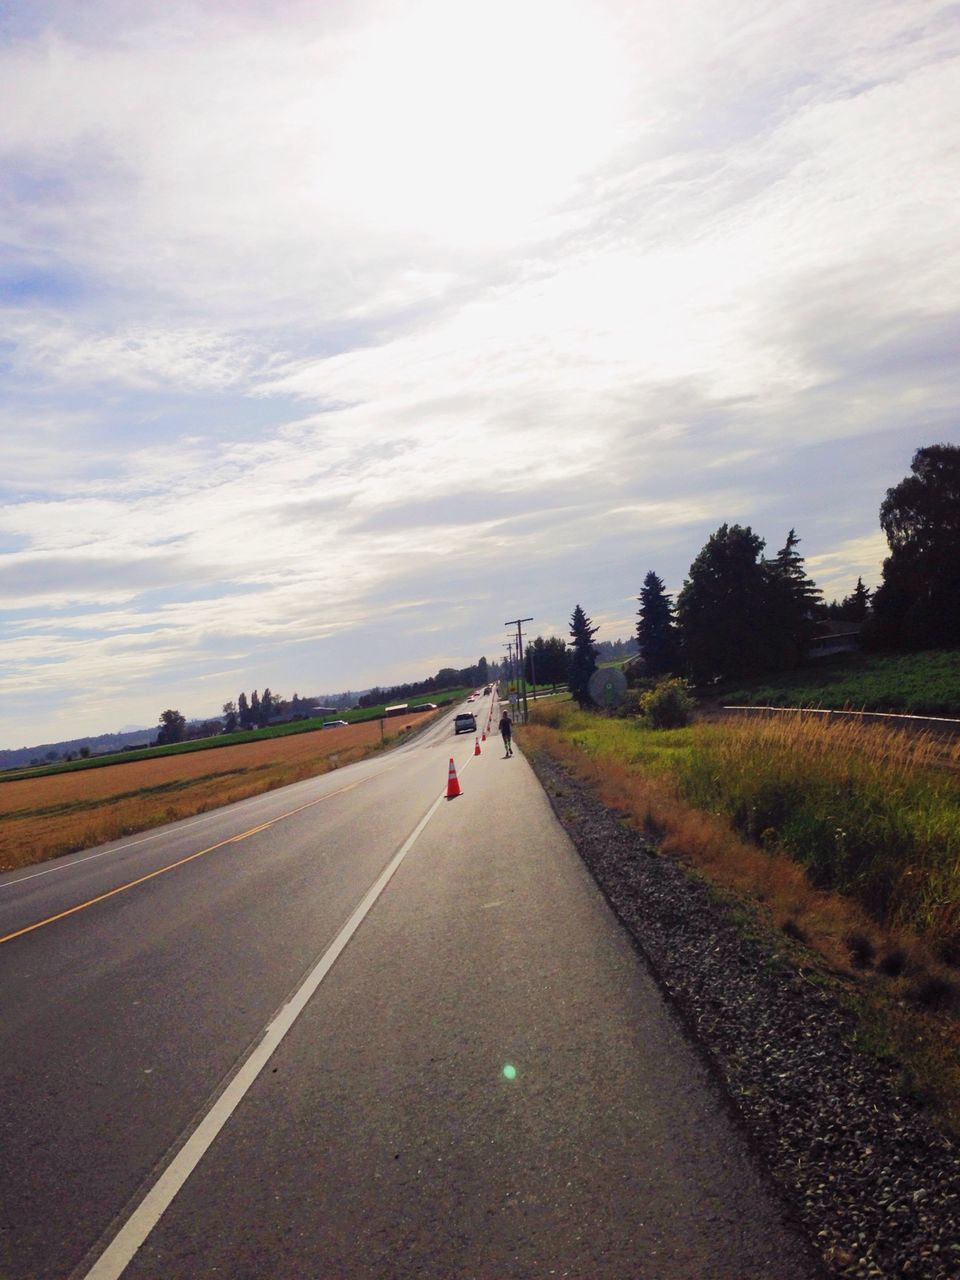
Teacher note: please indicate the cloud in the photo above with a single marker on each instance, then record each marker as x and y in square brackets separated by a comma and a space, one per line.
[309, 323]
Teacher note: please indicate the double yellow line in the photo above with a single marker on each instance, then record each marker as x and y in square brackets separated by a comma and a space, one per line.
[131, 884]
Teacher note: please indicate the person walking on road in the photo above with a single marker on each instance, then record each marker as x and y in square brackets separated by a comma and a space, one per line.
[506, 733]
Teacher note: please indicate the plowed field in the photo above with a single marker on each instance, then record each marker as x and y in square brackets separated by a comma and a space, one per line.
[43, 817]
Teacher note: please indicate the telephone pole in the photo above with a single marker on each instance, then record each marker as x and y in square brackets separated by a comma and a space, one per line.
[522, 678]
[509, 648]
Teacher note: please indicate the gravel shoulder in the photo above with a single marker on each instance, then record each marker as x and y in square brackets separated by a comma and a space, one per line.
[874, 1183]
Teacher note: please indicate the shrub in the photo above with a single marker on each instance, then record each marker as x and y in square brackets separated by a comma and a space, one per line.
[932, 991]
[668, 705]
[861, 949]
[894, 963]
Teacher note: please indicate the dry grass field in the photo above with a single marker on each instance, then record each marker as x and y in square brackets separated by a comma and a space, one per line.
[843, 837]
[43, 817]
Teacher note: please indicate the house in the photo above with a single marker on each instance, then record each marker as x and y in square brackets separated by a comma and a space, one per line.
[835, 637]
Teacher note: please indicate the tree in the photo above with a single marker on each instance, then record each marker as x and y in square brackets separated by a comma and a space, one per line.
[173, 728]
[583, 656]
[852, 608]
[243, 712]
[483, 672]
[254, 709]
[917, 605]
[546, 661]
[722, 608]
[556, 658]
[230, 716]
[269, 705]
[656, 630]
[794, 605]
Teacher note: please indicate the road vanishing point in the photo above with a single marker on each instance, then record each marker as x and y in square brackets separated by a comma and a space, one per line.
[351, 1028]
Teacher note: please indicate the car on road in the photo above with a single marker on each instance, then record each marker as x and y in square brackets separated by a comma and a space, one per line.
[465, 722]
[334, 724]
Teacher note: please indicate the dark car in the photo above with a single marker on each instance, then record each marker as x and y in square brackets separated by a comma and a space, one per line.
[465, 722]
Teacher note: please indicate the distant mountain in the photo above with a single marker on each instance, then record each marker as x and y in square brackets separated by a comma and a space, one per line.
[100, 745]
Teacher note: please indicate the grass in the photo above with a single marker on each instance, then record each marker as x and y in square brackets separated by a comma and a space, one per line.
[314, 724]
[42, 817]
[842, 836]
[916, 684]
[869, 811]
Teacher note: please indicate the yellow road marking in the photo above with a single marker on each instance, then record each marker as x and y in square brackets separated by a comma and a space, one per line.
[131, 884]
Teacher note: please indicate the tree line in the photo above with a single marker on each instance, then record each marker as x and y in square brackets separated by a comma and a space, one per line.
[740, 613]
[245, 713]
[446, 678]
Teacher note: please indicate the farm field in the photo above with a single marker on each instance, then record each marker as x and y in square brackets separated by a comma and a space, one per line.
[374, 713]
[916, 684]
[41, 817]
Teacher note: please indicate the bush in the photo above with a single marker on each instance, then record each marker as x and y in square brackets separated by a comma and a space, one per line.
[668, 705]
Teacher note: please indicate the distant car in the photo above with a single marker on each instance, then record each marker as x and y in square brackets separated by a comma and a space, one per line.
[486, 689]
[465, 722]
[424, 706]
[334, 724]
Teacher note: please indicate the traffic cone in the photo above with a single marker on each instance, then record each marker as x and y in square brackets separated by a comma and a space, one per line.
[453, 786]
[476, 749]
[482, 739]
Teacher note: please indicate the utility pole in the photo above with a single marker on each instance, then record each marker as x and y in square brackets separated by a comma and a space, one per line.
[509, 648]
[523, 683]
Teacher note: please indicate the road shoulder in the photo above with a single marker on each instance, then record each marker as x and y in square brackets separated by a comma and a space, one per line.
[874, 1183]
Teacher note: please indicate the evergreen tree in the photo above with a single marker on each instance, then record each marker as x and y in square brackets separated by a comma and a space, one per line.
[723, 606]
[243, 712]
[794, 605]
[656, 630]
[483, 672]
[268, 705]
[583, 656]
[254, 709]
[917, 605]
[856, 606]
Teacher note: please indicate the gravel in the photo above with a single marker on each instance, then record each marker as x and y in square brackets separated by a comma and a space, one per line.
[874, 1183]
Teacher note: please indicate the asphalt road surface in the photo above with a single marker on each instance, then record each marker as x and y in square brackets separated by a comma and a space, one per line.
[354, 1029]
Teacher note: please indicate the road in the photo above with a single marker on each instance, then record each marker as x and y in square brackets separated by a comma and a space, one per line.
[353, 1029]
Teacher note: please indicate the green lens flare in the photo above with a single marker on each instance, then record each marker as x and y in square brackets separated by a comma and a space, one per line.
[510, 1071]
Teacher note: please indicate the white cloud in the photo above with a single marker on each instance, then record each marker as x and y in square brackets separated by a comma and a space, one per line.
[836, 571]
[308, 320]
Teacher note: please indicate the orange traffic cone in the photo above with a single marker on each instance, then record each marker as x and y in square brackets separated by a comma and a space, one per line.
[483, 738]
[476, 749]
[453, 786]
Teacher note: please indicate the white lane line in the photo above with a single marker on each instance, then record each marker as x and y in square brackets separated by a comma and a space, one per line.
[119, 1253]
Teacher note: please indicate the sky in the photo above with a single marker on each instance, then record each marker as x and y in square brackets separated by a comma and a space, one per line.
[335, 334]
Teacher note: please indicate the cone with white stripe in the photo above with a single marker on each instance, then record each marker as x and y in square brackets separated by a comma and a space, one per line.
[453, 785]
